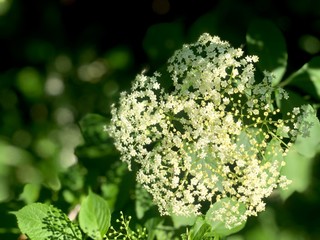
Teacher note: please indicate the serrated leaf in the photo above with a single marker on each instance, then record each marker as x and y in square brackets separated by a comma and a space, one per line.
[265, 40]
[219, 227]
[94, 216]
[30, 221]
[40, 221]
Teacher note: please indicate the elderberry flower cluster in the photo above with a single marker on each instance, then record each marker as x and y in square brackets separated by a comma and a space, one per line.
[215, 134]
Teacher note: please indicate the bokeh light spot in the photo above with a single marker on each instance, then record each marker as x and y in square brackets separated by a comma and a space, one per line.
[45, 148]
[4, 6]
[54, 85]
[29, 83]
[63, 64]
[92, 72]
[310, 44]
[119, 58]
[22, 138]
[63, 116]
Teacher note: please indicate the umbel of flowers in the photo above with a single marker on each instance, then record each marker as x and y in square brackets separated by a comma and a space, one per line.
[215, 135]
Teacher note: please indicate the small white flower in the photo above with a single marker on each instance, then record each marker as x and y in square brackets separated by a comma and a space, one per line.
[296, 110]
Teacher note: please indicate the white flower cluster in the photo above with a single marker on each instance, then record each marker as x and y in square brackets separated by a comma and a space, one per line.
[216, 134]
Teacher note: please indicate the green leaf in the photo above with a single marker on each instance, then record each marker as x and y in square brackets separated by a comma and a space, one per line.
[245, 137]
[307, 78]
[179, 221]
[199, 230]
[298, 170]
[94, 216]
[30, 193]
[273, 152]
[300, 157]
[265, 40]
[295, 100]
[30, 221]
[40, 221]
[309, 145]
[219, 227]
[143, 201]
[92, 128]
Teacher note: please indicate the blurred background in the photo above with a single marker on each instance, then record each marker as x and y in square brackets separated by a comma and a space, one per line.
[64, 62]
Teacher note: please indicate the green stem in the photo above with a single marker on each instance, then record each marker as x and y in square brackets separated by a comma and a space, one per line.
[285, 82]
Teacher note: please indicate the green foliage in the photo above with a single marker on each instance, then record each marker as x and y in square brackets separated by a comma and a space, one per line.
[94, 216]
[40, 221]
[30, 193]
[300, 157]
[201, 230]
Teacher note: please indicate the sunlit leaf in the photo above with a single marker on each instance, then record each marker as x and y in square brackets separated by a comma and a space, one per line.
[300, 158]
[30, 193]
[143, 201]
[179, 221]
[298, 170]
[273, 152]
[40, 221]
[13, 156]
[94, 216]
